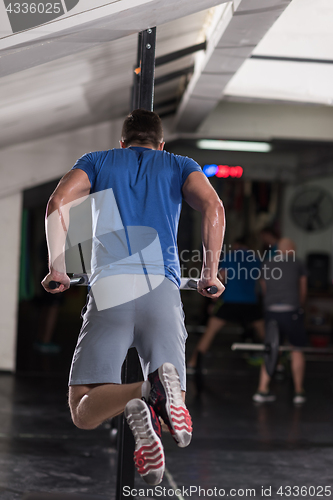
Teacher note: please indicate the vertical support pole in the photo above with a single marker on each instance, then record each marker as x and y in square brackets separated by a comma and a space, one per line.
[147, 69]
[142, 97]
[131, 373]
[144, 72]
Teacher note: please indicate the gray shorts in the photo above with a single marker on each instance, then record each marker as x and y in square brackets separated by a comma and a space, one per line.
[153, 323]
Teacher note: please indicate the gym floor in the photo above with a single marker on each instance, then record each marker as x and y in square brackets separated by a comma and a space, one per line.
[236, 447]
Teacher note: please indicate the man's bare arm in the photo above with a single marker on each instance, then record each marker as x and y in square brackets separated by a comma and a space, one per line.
[72, 189]
[200, 195]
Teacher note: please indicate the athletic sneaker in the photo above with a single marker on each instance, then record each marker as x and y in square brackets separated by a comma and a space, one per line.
[299, 398]
[146, 428]
[263, 397]
[166, 398]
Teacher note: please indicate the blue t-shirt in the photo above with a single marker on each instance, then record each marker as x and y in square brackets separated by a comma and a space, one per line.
[242, 273]
[136, 195]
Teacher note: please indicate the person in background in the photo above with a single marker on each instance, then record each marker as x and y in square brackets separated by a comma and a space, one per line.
[239, 270]
[269, 239]
[284, 284]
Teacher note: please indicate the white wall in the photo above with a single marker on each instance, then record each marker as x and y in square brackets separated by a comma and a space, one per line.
[21, 167]
[10, 230]
[36, 162]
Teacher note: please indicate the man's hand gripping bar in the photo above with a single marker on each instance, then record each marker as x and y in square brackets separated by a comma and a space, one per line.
[186, 284]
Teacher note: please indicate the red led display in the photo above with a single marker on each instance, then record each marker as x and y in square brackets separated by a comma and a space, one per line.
[225, 171]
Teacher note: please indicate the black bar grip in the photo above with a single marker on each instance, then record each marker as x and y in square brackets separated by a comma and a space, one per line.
[54, 284]
[73, 281]
[194, 284]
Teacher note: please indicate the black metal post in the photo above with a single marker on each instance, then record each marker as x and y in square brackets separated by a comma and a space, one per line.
[144, 72]
[147, 69]
[131, 373]
[142, 97]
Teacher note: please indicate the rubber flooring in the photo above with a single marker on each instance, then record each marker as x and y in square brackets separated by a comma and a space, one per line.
[239, 449]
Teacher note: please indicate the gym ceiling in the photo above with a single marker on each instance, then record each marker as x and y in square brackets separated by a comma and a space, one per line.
[78, 70]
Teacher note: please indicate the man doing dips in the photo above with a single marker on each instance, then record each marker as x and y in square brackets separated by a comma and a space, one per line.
[136, 194]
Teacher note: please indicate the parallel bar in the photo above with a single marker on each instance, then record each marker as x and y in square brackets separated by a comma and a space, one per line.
[82, 259]
[173, 56]
[75, 280]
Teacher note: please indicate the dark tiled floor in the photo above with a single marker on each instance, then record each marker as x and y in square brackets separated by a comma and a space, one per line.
[236, 445]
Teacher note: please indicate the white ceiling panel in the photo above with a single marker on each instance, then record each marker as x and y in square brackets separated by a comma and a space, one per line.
[83, 75]
[281, 80]
[89, 87]
[305, 29]
[239, 27]
[303, 37]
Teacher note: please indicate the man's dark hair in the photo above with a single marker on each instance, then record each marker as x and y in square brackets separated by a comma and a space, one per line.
[142, 127]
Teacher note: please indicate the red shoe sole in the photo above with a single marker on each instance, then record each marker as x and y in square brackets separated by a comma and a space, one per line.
[149, 458]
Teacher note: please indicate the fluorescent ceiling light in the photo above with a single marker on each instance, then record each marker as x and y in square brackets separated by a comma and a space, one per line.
[258, 147]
